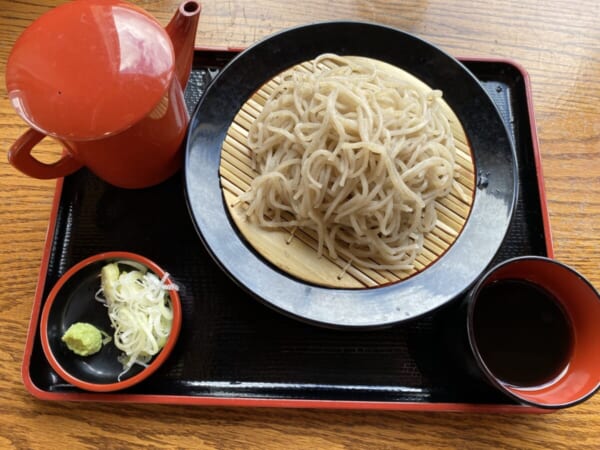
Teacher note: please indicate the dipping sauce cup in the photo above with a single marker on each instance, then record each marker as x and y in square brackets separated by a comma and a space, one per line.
[533, 327]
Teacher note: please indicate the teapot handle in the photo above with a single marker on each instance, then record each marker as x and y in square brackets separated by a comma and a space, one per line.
[20, 157]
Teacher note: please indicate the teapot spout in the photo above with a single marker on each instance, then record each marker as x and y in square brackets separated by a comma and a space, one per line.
[182, 30]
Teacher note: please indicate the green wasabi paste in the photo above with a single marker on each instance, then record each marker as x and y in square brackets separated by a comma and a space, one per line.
[83, 339]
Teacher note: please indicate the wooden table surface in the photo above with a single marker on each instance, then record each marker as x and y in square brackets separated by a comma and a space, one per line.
[557, 41]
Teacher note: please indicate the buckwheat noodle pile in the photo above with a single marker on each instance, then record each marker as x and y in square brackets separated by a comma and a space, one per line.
[354, 154]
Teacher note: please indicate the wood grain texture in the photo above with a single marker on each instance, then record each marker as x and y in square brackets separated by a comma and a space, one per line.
[557, 41]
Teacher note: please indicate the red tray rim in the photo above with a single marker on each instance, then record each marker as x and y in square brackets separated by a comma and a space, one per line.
[117, 397]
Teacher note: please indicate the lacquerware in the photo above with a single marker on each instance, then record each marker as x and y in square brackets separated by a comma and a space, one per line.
[442, 281]
[73, 300]
[572, 316]
[234, 351]
[105, 80]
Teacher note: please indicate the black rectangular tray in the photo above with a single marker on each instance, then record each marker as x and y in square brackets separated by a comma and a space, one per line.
[233, 350]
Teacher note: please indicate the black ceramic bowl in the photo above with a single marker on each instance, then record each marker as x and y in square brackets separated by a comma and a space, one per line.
[72, 300]
[450, 275]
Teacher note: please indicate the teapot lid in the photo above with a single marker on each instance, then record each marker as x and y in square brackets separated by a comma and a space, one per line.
[88, 69]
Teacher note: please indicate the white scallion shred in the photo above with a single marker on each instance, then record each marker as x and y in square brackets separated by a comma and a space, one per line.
[139, 309]
[105, 337]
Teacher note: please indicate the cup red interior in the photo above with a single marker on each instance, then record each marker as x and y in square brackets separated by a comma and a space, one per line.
[72, 299]
[581, 302]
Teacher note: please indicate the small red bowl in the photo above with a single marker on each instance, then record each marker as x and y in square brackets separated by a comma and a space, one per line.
[579, 301]
[72, 300]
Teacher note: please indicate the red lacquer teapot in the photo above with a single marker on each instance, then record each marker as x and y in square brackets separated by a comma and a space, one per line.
[105, 79]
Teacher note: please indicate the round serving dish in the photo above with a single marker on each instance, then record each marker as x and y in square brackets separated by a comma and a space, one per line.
[72, 300]
[450, 275]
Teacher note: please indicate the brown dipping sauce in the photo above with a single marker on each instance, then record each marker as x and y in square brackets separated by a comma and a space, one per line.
[522, 333]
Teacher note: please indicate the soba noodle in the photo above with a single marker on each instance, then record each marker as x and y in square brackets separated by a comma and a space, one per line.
[354, 154]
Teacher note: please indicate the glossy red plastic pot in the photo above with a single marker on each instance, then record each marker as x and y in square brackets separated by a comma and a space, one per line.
[106, 80]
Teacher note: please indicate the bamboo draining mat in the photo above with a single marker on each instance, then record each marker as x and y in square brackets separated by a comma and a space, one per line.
[296, 254]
